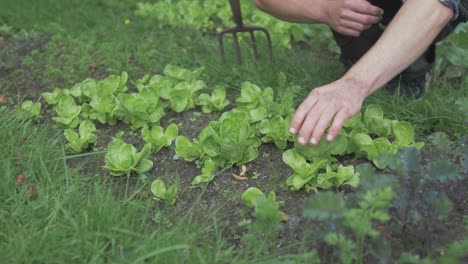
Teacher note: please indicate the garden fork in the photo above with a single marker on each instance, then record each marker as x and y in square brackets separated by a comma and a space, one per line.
[240, 27]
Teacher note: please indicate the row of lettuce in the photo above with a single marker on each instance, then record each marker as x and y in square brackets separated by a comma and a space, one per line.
[259, 116]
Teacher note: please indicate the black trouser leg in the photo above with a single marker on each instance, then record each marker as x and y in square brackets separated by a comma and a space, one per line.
[353, 48]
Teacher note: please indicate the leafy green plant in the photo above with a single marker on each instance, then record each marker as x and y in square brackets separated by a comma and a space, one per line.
[123, 159]
[178, 85]
[214, 102]
[138, 109]
[30, 109]
[207, 173]
[230, 140]
[276, 130]
[187, 150]
[453, 53]
[372, 206]
[53, 98]
[182, 96]
[255, 101]
[77, 142]
[267, 214]
[304, 172]
[159, 190]
[68, 112]
[158, 138]
[425, 210]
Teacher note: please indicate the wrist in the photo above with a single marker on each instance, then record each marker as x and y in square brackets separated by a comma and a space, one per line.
[361, 87]
[324, 11]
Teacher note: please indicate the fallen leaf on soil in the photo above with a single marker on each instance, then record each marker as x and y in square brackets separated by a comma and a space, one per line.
[285, 216]
[3, 99]
[32, 191]
[242, 176]
[239, 178]
[20, 179]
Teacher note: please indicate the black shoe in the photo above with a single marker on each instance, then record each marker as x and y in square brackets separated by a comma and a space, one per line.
[414, 81]
[409, 85]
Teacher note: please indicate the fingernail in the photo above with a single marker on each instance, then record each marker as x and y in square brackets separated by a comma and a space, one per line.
[301, 140]
[329, 137]
[292, 130]
[313, 141]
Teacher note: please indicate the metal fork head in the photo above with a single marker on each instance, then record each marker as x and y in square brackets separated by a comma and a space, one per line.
[240, 28]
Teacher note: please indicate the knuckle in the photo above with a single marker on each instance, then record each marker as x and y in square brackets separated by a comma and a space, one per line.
[315, 92]
[370, 20]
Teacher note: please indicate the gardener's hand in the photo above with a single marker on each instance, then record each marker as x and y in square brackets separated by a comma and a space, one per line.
[351, 17]
[336, 101]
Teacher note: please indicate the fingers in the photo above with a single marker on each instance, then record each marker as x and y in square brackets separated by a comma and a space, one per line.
[355, 26]
[336, 126]
[364, 7]
[305, 132]
[320, 127]
[301, 113]
[360, 18]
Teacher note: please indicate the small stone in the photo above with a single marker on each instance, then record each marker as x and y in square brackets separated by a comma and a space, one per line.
[175, 157]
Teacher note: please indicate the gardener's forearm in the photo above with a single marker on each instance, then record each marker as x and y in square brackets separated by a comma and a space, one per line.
[299, 11]
[409, 34]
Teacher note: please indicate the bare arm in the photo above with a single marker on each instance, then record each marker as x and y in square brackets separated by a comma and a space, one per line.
[412, 30]
[299, 11]
[349, 17]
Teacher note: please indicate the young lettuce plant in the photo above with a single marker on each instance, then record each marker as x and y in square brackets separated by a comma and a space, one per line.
[31, 110]
[77, 142]
[189, 151]
[267, 214]
[182, 74]
[138, 109]
[159, 190]
[276, 130]
[182, 96]
[173, 77]
[305, 173]
[68, 113]
[214, 102]
[207, 174]
[230, 140]
[255, 101]
[344, 175]
[123, 159]
[52, 98]
[158, 138]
